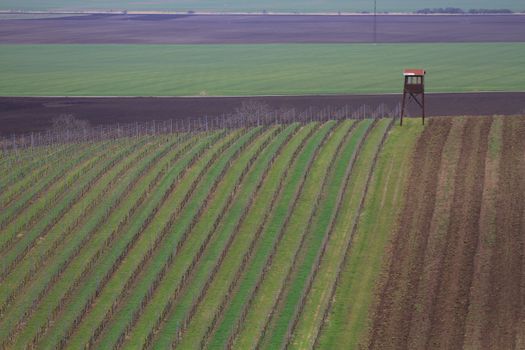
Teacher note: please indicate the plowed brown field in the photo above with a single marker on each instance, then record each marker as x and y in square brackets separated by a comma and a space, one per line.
[455, 277]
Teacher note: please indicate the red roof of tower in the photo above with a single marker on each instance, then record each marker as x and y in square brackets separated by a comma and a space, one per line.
[420, 72]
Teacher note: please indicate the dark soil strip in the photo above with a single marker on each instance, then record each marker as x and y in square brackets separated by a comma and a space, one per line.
[391, 322]
[28, 114]
[450, 306]
[502, 321]
[479, 291]
[246, 29]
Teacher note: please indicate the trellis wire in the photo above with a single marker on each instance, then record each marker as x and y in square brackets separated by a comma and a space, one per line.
[15, 142]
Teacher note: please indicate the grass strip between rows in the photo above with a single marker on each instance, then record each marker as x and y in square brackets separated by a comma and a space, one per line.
[38, 160]
[283, 222]
[85, 218]
[188, 305]
[174, 324]
[34, 176]
[333, 146]
[83, 198]
[243, 247]
[28, 299]
[158, 253]
[319, 231]
[29, 210]
[114, 266]
[110, 237]
[385, 167]
[164, 281]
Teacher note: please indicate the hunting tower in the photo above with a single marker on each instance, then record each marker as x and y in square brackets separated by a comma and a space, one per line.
[414, 89]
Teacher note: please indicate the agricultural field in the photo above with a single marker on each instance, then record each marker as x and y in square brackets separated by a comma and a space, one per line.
[253, 29]
[298, 235]
[259, 6]
[262, 69]
[233, 175]
[122, 68]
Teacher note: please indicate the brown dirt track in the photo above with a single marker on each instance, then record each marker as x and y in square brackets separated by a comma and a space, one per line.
[252, 29]
[26, 114]
[456, 274]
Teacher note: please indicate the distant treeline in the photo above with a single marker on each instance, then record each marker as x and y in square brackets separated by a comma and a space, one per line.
[456, 10]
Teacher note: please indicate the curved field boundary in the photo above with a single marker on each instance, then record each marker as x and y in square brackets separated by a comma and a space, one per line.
[137, 241]
[359, 239]
[267, 187]
[117, 227]
[462, 285]
[169, 280]
[158, 254]
[420, 194]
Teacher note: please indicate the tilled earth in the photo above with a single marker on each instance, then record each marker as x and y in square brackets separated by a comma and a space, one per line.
[253, 29]
[456, 276]
[27, 114]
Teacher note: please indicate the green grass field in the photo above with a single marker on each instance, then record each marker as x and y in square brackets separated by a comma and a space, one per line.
[189, 70]
[272, 236]
[255, 6]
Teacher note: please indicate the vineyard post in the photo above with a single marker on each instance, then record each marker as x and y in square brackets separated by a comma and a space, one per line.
[4, 146]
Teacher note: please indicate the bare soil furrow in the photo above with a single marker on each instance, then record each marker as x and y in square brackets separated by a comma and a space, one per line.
[392, 319]
[420, 317]
[451, 304]
[487, 232]
[504, 307]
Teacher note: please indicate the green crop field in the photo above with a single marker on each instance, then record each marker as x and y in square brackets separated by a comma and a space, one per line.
[255, 6]
[189, 70]
[299, 235]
